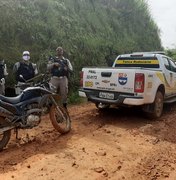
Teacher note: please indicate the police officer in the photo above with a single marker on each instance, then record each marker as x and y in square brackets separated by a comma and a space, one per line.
[60, 68]
[24, 70]
[3, 74]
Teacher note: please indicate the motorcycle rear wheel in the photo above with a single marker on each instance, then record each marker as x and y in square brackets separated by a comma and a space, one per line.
[60, 119]
[4, 136]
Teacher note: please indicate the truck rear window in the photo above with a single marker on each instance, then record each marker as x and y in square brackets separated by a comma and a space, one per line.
[146, 62]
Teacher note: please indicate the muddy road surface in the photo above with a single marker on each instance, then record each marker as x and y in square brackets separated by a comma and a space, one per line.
[114, 144]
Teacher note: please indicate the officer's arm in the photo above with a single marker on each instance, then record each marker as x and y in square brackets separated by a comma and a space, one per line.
[15, 67]
[5, 70]
[35, 69]
[70, 67]
[50, 66]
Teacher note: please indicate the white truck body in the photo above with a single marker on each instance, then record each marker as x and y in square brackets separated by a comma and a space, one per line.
[133, 80]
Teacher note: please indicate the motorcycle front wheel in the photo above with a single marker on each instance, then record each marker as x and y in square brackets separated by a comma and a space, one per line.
[4, 136]
[60, 119]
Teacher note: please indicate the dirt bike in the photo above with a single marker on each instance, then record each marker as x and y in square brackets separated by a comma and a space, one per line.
[25, 111]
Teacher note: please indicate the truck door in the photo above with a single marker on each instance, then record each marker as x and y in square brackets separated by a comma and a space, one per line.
[169, 75]
[173, 70]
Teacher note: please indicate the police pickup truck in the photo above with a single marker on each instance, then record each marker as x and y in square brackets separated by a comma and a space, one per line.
[146, 79]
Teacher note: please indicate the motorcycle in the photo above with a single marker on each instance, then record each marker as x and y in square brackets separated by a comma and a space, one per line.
[25, 110]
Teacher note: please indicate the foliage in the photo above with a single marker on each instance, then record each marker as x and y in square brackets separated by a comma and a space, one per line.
[74, 98]
[91, 32]
[171, 53]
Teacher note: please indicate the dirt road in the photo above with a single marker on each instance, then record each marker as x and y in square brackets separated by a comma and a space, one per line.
[116, 144]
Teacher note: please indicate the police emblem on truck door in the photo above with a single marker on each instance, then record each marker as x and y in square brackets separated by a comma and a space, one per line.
[122, 78]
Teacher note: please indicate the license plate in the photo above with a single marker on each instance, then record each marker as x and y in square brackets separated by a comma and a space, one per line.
[106, 95]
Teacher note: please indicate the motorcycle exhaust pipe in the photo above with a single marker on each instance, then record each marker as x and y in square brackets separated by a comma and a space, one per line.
[36, 110]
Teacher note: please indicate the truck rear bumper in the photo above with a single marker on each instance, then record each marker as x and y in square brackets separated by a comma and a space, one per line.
[120, 99]
[133, 101]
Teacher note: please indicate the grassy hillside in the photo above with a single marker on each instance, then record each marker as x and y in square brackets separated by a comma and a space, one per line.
[91, 31]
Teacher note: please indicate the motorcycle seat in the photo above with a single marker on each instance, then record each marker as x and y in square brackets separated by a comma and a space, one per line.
[11, 100]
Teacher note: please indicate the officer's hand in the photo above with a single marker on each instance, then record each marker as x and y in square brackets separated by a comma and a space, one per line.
[2, 81]
[65, 68]
[56, 64]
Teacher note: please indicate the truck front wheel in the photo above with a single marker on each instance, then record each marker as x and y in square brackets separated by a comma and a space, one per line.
[156, 108]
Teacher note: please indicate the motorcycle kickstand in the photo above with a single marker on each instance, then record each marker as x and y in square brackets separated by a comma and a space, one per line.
[16, 132]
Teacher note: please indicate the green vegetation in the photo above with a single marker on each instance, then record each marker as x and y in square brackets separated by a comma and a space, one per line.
[171, 53]
[92, 32]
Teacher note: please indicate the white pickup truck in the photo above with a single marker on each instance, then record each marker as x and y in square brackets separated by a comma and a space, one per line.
[146, 79]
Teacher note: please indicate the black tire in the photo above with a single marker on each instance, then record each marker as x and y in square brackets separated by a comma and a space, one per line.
[60, 121]
[4, 136]
[156, 106]
[4, 139]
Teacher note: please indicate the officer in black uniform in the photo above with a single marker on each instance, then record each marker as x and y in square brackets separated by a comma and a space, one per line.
[3, 74]
[60, 67]
[24, 70]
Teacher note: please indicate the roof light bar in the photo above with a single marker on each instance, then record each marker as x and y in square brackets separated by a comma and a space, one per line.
[152, 52]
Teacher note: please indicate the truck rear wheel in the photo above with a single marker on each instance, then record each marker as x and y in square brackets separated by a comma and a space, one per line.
[157, 106]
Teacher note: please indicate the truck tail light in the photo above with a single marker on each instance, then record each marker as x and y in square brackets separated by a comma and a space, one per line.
[81, 78]
[139, 83]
